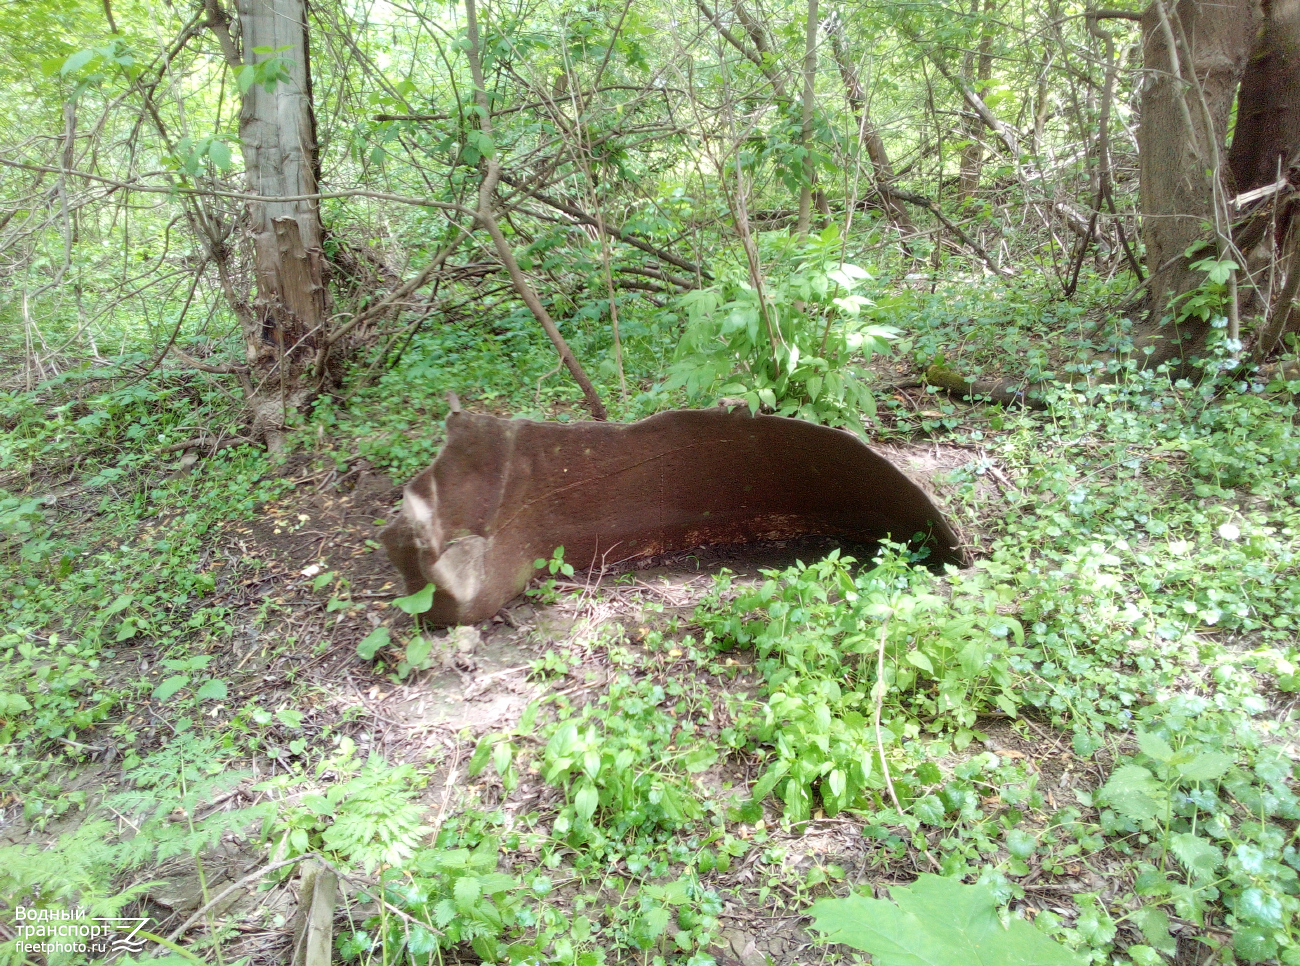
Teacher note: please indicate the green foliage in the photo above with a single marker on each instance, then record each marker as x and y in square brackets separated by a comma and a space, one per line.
[453, 896]
[1214, 795]
[266, 73]
[370, 819]
[545, 591]
[937, 922]
[418, 602]
[91, 67]
[50, 691]
[1208, 299]
[623, 762]
[797, 349]
[1137, 578]
[820, 633]
[79, 869]
[192, 152]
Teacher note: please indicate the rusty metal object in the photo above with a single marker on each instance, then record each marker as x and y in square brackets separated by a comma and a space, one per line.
[504, 492]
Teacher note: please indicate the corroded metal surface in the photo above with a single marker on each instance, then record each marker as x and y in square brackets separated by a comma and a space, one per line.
[504, 492]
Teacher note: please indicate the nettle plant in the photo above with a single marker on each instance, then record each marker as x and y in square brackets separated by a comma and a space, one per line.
[623, 761]
[797, 348]
[852, 662]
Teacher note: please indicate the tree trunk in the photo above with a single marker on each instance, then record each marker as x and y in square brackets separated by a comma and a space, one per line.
[972, 156]
[871, 139]
[1186, 102]
[278, 131]
[1268, 112]
[1266, 146]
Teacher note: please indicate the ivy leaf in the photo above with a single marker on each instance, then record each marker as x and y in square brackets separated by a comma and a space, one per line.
[1260, 908]
[1254, 944]
[937, 922]
[929, 809]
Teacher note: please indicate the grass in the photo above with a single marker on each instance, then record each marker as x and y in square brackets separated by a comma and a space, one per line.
[1095, 724]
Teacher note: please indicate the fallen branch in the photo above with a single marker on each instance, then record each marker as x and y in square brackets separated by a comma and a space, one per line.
[216, 900]
[1004, 391]
[314, 920]
[931, 206]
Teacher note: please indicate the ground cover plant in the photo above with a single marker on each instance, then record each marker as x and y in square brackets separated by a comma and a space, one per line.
[1092, 724]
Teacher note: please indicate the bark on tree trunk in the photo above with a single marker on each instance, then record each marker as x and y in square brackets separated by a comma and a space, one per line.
[278, 131]
[972, 156]
[871, 139]
[1266, 145]
[1268, 113]
[1179, 138]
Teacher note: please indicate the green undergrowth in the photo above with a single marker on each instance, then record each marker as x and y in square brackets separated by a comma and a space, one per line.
[1102, 705]
[107, 550]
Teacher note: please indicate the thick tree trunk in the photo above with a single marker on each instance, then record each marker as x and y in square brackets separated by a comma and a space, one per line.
[278, 131]
[1266, 146]
[1268, 114]
[1186, 101]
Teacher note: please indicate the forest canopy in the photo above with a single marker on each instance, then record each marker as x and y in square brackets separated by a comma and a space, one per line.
[577, 161]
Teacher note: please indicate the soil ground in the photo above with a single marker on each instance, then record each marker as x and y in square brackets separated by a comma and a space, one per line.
[295, 646]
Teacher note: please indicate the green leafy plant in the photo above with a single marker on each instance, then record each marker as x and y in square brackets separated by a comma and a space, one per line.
[797, 349]
[268, 73]
[838, 650]
[546, 591]
[939, 922]
[448, 896]
[50, 690]
[370, 819]
[205, 689]
[1193, 789]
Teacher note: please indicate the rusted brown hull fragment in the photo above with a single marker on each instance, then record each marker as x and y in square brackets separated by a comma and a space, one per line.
[504, 492]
